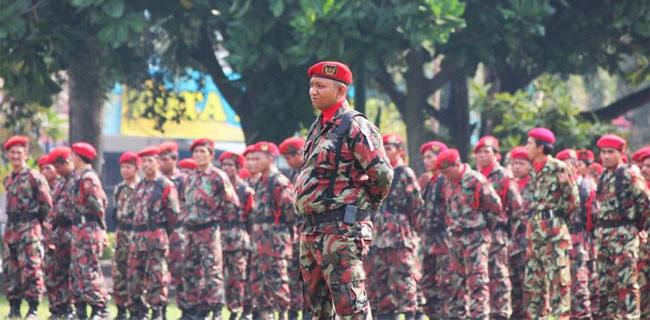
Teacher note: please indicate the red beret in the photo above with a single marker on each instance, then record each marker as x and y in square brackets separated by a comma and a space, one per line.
[149, 151]
[435, 146]
[447, 158]
[487, 141]
[168, 146]
[85, 150]
[519, 153]
[188, 163]
[292, 144]
[130, 157]
[331, 70]
[566, 154]
[585, 155]
[60, 154]
[43, 161]
[542, 134]
[612, 141]
[16, 141]
[641, 154]
[393, 138]
[239, 159]
[268, 147]
[624, 159]
[596, 167]
[202, 142]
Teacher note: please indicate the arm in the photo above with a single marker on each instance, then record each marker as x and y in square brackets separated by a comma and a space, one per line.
[172, 206]
[490, 203]
[569, 195]
[414, 197]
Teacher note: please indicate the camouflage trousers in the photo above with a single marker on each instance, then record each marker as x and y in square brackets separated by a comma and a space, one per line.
[148, 279]
[547, 280]
[203, 269]
[175, 262]
[56, 266]
[120, 267]
[332, 268]
[618, 257]
[517, 275]
[580, 276]
[435, 284]
[235, 269]
[86, 278]
[295, 279]
[270, 283]
[500, 285]
[22, 275]
[469, 276]
[392, 280]
[644, 279]
[594, 291]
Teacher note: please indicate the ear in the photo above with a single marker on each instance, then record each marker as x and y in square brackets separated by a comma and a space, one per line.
[341, 91]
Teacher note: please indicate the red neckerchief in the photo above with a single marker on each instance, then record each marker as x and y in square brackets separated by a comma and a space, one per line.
[462, 172]
[396, 163]
[328, 113]
[540, 165]
[486, 170]
[522, 182]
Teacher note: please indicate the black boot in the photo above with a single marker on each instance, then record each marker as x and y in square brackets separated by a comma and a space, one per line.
[164, 313]
[156, 314]
[99, 312]
[121, 314]
[233, 315]
[410, 316]
[55, 313]
[216, 311]
[66, 312]
[246, 314]
[14, 309]
[187, 314]
[81, 311]
[293, 315]
[32, 313]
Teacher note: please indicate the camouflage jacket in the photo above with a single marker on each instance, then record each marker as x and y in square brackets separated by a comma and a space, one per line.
[293, 176]
[63, 204]
[90, 199]
[395, 220]
[234, 229]
[209, 197]
[633, 202]
[504, 184]
[124, 204]
[363, 176]
[587, 192]
[471, 203]
[432, 225]
[179, 179]
[28, 204]
[156, 210]
[520, 219]
[554, 189]
[273, 216]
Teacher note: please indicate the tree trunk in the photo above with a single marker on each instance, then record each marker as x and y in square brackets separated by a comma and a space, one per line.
[459, 128]
[87, 92]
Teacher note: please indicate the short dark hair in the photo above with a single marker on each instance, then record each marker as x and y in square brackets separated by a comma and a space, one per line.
[547, 147]
[85, 160]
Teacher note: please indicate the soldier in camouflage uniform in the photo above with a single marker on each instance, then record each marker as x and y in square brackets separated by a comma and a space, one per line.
[168, 159]
[393, 273]
[156, 210]
[547, 283]
[642, 157]
[345, 176]
[292, 150]
[472, 212]
[580, 227]
[235, 238]
[588, 170]
[89, 228]
[28, 203]
[432, 227]
[486, 151]
[46, 168]
[186, 166]
[58, 253]
[623, 205]
[272, 234]
[124, 210]
[521, 168]
[209, 197]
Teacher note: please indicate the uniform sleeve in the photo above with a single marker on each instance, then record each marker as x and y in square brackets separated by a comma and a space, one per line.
[515, 203]
[43, 197]
[569, 196]
[94, 196]
[414, 197]
[368, 151]
[490, 203]
[283, 194]
[640, 195]
[172, 206]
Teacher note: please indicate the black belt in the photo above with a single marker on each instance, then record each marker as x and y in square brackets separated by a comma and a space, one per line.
[201, 226]
[268, 220]
[20, 218]
[575, 228]
[233, 224]
[614, 223]
[125, 226]
[466, 231]
[150, 227]
[334, 216]
[63, 223]
[549, 214]
[88, 218]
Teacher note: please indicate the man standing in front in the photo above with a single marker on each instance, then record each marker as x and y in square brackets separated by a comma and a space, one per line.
[346, 175]
[623, 205]
[547, 283]
[87, 280]
[28, 203]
